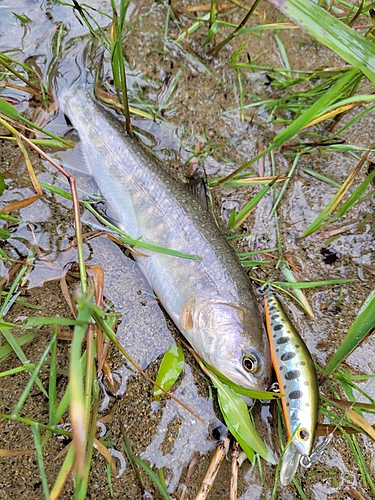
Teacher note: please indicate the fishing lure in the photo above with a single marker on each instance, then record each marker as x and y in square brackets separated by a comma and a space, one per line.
[297, 379]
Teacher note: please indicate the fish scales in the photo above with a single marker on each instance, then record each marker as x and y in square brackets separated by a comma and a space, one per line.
[210, 300]
[297, 379]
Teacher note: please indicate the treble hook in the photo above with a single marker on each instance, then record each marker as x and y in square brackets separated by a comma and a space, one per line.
[306, 461]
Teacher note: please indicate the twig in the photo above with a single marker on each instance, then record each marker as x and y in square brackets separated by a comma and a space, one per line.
[192, 464]
[75, 200]
[215, 50]
[213, 469]
[234, 471]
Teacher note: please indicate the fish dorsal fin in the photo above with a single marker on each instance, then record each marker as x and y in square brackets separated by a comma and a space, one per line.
[186, 316]
[196, 187]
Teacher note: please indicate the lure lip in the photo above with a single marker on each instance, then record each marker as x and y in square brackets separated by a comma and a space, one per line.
[289, 464]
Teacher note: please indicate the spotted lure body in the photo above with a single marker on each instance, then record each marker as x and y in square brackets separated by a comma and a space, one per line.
[297, 379]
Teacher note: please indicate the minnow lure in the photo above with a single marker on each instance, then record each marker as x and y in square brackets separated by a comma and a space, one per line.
[297, 379]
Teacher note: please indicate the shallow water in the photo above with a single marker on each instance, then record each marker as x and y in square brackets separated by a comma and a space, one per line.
[200, 107]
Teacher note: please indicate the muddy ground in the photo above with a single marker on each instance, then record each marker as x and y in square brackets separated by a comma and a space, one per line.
[200, 108]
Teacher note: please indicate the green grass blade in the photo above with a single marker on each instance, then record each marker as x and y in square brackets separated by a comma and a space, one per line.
[63, 474]
[362, 325]
[29, 421]
[65, 400]
[193, 27]
[211, 33]
[4, 235]
[32, 380]
[52, 386]
[9, 337]
[49, 143]
[13, 288]
[117, 59]
[171, 88]
[154, 477]
[253, 263]
[39, 454]
[135, 460]
[77, 402]
[2, 184]
[139, 243]
[67, 195]
[318, 223]
[169, 370]
[250, 393]
[289, 275]
[285, 185]
[122, 236]
[236, 416]
[347, 80]
[321, 177]
[350, 123]
[283, 53]
[18, 369]
[332, 33]
[354, 197]
[42, 321]
[11, 112]
[310, 284]
[7, 348]
[246, 255]
[244, 213]
[81, 494]
[23, 18]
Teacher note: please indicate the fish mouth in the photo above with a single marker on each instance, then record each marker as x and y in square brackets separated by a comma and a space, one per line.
[257, 382]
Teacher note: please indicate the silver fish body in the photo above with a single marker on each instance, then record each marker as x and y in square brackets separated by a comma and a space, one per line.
[210, 300]
[297, 379]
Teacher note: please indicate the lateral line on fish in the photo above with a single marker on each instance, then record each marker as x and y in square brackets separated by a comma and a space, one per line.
[158, 207]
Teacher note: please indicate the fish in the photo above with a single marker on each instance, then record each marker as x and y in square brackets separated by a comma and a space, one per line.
[297, 379]
[210, 300]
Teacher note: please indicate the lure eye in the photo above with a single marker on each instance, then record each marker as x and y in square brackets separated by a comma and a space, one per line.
[303, 434]
[250, 363]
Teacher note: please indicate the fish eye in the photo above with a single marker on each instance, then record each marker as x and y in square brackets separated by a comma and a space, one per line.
[250, 363]
[303, 434]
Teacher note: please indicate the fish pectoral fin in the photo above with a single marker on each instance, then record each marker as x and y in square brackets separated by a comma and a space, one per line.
[186, 315]
[75, 159]
[289, 464]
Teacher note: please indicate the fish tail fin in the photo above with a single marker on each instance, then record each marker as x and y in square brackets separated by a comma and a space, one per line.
[78, 66]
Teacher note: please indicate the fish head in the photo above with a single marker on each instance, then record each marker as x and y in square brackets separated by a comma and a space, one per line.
[303, 428]
[223, 336]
